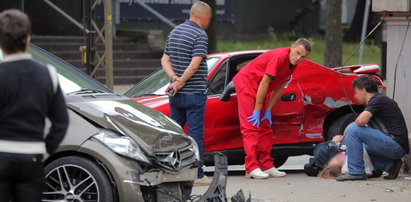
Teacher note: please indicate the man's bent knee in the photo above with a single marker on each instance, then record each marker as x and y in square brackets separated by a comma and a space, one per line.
[352, 128]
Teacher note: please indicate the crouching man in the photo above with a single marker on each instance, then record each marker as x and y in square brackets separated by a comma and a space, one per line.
[384, 148]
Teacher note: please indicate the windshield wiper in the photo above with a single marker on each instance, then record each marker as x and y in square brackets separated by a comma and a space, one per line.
[86, 91]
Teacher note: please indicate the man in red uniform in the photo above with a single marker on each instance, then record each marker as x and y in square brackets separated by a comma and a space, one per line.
[259, 85]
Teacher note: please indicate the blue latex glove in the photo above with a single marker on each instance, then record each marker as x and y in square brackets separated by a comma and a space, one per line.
[255, 118]
[267, 116]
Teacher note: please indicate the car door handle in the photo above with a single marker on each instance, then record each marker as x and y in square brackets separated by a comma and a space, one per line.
[288, 97]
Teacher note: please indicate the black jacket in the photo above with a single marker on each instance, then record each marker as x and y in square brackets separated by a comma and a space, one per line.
[27, 98]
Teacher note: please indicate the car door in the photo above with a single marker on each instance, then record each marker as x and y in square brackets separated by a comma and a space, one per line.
[287, 114]
[221, 125]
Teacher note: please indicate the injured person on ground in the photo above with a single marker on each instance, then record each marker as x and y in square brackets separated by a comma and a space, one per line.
[374, 143]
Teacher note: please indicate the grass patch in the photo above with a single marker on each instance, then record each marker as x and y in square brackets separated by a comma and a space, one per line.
[372, 53]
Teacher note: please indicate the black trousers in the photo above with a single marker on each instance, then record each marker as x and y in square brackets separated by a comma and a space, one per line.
[21, 177]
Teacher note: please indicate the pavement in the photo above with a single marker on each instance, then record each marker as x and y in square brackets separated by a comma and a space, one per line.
[296, 186]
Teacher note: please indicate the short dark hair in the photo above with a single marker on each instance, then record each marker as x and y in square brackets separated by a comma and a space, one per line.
[304, 42]
[15, 28]
[366, 82]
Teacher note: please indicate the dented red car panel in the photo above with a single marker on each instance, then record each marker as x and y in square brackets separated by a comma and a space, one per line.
[313, 92]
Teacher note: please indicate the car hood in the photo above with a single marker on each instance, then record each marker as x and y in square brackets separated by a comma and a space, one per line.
[152, 130]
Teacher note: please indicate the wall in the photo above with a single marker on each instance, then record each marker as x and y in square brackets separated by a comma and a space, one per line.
[397, 27]
[45, 20]
[250, 18]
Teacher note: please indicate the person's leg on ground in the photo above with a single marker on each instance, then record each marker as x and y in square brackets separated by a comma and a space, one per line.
[249, 133]
[264, 148]
[177, 111]
[380, 163]
[385, 152]
[376, 143]
[354, 149]
[379, 144]
[195, 104]
[355, 161]
[7, 169]
[30, 180]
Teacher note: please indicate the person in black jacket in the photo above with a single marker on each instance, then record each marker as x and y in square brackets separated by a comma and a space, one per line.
[29, 93]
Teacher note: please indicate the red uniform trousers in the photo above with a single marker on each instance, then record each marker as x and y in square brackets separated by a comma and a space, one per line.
[256, 141]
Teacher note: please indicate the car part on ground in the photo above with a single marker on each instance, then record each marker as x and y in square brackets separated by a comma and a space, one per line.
[216, 192]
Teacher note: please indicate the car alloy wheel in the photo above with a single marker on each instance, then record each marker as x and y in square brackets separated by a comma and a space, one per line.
[70, 183]
[76, 179]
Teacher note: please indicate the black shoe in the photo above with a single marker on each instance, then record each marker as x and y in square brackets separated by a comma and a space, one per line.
[394, 170]
[376, 174]
[350, 177]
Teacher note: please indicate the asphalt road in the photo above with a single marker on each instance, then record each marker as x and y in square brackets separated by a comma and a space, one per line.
[296, 186]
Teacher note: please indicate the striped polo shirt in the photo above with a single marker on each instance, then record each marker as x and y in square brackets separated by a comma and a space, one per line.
[184, 42]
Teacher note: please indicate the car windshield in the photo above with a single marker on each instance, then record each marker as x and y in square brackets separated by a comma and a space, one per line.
[156, 83]
[71, 79]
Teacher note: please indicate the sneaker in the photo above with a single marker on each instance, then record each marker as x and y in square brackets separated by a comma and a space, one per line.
[204, 181]
[257, 174]
[350, 177]
[394, 170]
[273, 172]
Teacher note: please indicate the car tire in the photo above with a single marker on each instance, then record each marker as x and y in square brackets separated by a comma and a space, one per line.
[279, 161]
[89, 180]
[339, 125]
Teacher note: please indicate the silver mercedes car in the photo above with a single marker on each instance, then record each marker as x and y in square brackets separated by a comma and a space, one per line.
[115, 149]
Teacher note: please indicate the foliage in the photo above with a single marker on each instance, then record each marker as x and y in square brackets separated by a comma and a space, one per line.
[372, 53]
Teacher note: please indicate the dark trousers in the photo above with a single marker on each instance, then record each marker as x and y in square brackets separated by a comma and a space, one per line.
[189, 108]
[21, 177]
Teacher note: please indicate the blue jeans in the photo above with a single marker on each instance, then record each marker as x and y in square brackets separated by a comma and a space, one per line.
[381, 148]
[189, 108]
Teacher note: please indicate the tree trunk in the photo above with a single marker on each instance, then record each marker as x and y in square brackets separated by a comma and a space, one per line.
[212, 28]
[333, 34]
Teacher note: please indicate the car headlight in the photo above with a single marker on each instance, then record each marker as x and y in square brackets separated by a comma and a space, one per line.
[122, 145]
[194, 148]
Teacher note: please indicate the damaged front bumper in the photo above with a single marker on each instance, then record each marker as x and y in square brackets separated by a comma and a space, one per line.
[132, 183]
[151, 178]
[166, 191]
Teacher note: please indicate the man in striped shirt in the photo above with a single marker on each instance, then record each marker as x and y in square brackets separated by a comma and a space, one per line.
[184, 61]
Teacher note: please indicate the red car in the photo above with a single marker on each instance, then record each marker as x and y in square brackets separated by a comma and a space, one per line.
[315, 105]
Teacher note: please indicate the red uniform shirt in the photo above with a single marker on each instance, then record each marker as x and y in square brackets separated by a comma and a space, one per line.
[275, 63]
